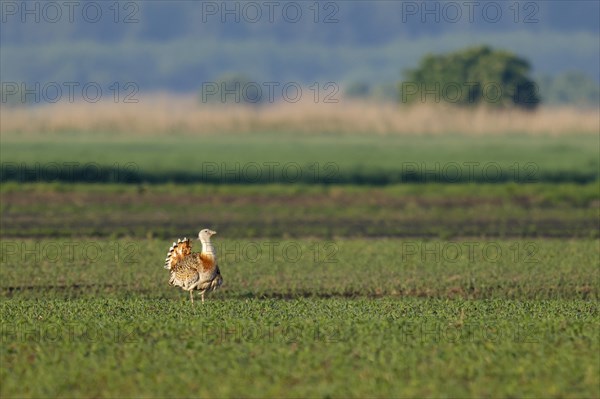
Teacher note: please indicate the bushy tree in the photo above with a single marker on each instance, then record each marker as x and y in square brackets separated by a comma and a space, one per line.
[473, 76]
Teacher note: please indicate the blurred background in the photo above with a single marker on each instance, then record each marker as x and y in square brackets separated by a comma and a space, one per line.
[175, 47]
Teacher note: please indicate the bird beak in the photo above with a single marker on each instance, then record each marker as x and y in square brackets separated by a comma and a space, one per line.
[212, 232]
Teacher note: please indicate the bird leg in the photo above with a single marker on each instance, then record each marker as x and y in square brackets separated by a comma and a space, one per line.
[192, 296]
[202, 296]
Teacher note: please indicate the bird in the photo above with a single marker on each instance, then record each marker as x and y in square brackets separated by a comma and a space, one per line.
[194, 270]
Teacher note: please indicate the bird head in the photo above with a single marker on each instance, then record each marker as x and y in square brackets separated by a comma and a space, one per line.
[205, 234]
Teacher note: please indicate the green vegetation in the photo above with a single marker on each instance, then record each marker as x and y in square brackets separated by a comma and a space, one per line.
[286, 158]
[349, 324]
[275, 211]
[475, 76]
[470, 268]
[304, 347]
[469, 289]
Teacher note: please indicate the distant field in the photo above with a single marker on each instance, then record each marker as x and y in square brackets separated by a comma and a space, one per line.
[287, 158]
[241, 211]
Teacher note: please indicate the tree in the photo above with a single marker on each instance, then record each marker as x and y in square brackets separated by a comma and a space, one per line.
[471, 77]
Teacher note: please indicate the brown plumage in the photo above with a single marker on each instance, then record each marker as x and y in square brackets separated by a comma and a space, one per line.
[194, 270]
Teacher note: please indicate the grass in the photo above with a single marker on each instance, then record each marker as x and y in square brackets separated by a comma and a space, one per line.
[383, 288]
[321, 315]
[275, 211]
[377, 318]
[268, 268]
[287, 158]
[299, 348]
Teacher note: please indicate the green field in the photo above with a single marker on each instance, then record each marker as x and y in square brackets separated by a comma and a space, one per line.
[241, 211]
[339, 318]
[386, 287]
[287, 158]
[158, 347]
[313, 267]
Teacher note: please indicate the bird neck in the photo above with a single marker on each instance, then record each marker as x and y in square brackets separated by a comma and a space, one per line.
[207, 248]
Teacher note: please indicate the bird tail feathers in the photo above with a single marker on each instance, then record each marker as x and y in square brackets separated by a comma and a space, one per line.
[177, 252]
